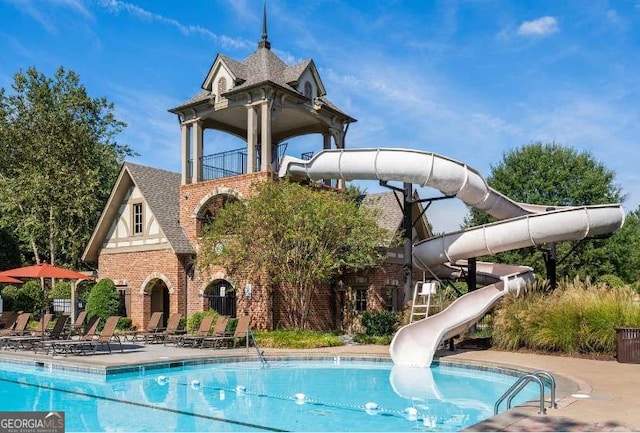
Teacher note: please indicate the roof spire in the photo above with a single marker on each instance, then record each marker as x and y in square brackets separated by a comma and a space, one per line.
[264, 43]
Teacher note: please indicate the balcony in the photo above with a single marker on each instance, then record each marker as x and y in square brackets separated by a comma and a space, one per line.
[233, 163]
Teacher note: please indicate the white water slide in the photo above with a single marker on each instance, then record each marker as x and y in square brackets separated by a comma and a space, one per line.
[521, 225]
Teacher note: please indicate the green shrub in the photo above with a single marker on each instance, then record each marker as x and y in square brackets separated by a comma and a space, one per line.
[231, 325]
[182, 324]
[10, 298]
[103, 300]
[124, 324]
[29, 297]
[380, 323]
[296, 339]
[83, 289]
[373, 339]
[60, 290]
[193, 322]
[611, 280]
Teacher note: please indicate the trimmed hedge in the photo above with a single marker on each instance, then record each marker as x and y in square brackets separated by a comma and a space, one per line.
[103, 300]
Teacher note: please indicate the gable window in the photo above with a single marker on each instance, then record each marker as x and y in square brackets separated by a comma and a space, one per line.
[138, 225]
[222, 86]
[308, 90]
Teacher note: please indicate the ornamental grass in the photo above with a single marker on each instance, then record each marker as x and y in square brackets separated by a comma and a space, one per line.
[580, 316]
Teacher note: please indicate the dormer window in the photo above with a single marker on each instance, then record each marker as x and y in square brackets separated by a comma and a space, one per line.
[222, 86]
[308, 90]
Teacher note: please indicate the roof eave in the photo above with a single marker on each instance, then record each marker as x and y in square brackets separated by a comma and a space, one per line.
[90, 253]
[180, 108]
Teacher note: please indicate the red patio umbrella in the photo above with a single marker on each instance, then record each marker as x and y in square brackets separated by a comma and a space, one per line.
[9, 280]
[45, 270]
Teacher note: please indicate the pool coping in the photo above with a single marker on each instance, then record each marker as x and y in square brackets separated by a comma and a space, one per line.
[565, 385]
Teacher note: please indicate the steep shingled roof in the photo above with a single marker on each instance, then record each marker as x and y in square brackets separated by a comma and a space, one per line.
[202, 95]
[237, 68]
[292, 73]
[161, 191]
[390, 215]
[261, 66]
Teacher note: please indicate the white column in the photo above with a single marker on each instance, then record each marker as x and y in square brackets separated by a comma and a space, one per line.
[326, 145]
[73, 312]
[252, 138]
[265, 137]
[196, 170]
[338, 139]
[186, 152]
[326, 140]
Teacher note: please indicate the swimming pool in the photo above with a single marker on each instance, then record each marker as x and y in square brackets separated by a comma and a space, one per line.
[288, 395]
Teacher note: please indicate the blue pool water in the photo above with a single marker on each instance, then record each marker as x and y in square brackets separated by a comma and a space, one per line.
[244, 396]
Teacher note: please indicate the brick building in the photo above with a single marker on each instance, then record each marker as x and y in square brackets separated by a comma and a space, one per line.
[147, 237]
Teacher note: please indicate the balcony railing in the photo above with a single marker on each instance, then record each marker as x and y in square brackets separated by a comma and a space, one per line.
[233, 162]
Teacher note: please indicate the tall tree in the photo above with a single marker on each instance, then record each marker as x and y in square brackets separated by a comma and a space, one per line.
[624, 249]
[554, 175]
[58, 160]
[9, 250]
[296, 237]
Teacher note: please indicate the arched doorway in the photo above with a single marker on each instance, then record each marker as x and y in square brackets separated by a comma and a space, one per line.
[221, 297]
[159, 293]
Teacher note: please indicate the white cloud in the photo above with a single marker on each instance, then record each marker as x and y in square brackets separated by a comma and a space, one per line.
[76, 5]
[617, 20]
[227, 42]
[539, 27]
[36, 11]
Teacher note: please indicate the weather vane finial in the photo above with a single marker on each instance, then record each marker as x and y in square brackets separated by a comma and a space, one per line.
[264, 43]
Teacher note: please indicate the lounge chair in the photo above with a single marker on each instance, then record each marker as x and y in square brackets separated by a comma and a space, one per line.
[154, 326]
[19, 328]
[76, 327]
[105, 337]
[196, 339]
[32, 341]
[64, 345]
[7, 320]
[41, 328]
[171, 331]
[219, 331]
[242, 331]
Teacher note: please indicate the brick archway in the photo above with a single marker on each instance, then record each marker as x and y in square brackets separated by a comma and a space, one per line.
[156, 291]
[220, 295]
[202, 204]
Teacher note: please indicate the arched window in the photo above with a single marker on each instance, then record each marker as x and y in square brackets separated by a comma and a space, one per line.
[207, 218]
[308, 90]
[211, 210]
[222, 86]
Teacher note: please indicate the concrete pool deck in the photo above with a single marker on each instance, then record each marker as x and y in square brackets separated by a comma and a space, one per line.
[613, 388]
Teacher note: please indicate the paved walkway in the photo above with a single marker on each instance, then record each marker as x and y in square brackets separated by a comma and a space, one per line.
[613, 389]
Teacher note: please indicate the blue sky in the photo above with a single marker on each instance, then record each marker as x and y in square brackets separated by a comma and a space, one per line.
[466, 79]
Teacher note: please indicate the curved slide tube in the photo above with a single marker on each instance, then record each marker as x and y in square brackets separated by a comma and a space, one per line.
[524, 225]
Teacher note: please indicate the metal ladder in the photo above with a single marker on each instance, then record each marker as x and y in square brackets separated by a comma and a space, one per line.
[420, 306]
[536, 376]
[263, 360]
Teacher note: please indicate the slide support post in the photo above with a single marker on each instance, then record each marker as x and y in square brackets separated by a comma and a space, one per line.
[407, 263]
